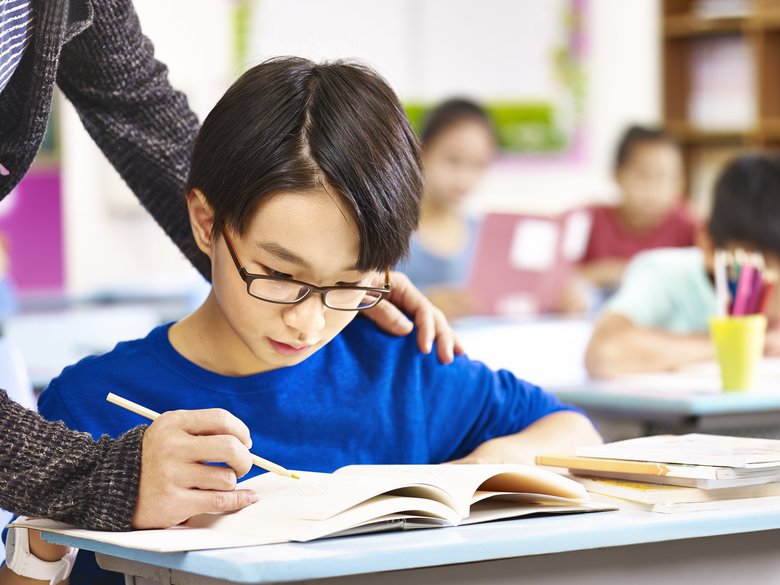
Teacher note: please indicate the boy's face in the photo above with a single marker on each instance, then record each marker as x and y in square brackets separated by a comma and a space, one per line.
[651, 181]
[306, 236]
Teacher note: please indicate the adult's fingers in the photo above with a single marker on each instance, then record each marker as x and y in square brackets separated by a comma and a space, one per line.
[212, 502]
[219, 449]
[209, 421]
[390, 318]
[447, 344]
[207, 477]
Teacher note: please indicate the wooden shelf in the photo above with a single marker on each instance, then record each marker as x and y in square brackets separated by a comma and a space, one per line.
[687, 134]
[687, 25]
[770, 128]
[684, 38]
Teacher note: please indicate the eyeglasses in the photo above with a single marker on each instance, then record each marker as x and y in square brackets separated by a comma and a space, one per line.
[286, 291]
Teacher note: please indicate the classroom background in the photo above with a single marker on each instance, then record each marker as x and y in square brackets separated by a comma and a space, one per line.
[562, 80]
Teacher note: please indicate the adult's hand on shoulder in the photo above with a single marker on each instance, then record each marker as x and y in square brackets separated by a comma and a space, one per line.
[431, 323]
[175, 484]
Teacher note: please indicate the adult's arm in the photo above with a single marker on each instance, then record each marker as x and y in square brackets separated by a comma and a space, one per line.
[50, 471]
[150, 477]
[143, 126]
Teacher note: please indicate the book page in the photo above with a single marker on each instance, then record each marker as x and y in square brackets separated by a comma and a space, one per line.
[463, 481]
[692, 449]
[267, 529]
[319, 496]
[491, 510]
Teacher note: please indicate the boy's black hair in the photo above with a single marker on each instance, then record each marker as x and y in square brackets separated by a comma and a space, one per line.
[636, 135]
[290, 124]
[746, 208]
[450, 113]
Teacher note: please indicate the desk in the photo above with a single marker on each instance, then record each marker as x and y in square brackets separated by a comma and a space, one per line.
[683, 402]
[643, 548]
[550, 352]
[546, 351]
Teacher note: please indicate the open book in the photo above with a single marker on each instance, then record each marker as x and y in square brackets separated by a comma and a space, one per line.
[358, 499]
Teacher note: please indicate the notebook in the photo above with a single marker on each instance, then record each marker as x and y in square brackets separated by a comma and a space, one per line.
[360, 499]
[523, 261]
[669, 498]
[692, 449]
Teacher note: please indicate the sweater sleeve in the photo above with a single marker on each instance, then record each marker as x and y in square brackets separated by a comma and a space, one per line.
[144, 127]
[47, 470]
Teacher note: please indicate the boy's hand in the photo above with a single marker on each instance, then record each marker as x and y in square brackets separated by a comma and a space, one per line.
[501, 450]
[175, 484]
[430, 321]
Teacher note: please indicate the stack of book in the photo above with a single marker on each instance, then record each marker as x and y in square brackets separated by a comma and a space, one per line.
[671, 473]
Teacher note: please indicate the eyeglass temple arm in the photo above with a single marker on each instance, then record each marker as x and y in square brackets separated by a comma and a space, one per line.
[230, 248]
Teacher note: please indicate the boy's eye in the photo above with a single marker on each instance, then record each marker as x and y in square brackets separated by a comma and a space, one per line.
[276, 273]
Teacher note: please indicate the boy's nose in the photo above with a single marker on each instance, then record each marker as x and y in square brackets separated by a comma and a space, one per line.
[307, 317]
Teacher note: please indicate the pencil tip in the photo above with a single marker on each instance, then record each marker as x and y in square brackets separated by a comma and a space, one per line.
[294, 476]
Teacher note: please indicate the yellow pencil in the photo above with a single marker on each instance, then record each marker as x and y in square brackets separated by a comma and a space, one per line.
[592, 464]
[152, 415]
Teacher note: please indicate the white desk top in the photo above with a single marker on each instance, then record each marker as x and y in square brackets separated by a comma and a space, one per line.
[550, 353]
[426, 548]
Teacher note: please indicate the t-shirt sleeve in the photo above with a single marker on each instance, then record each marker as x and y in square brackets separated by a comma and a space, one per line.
[467, 404]
[52, 406]
[642, 298]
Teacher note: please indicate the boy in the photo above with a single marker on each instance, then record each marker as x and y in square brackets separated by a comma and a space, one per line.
[305, 188]
[658, 319]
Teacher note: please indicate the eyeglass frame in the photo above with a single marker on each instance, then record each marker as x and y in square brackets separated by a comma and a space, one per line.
[250, 277]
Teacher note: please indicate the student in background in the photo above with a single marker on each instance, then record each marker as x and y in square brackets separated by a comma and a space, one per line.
[458, 145]
[326, 190]
[658, 319]
[650, 214]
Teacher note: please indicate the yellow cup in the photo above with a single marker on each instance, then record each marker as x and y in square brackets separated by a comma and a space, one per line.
[739, 346]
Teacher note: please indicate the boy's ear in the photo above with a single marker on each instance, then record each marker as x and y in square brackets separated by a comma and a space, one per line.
[201, 220]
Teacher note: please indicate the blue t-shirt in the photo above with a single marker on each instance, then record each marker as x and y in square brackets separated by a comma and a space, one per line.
[366, 397]
[667, 289]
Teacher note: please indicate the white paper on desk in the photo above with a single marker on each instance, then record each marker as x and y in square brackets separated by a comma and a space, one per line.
[694, 379]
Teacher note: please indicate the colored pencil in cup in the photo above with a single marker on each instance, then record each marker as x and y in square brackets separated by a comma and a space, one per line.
[152, 415]
[744, 289]
[721, 283]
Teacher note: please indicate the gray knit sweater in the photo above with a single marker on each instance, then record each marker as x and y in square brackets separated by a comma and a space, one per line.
[95, 51]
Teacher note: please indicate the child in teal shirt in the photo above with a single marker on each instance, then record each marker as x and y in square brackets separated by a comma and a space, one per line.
[658, 319]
